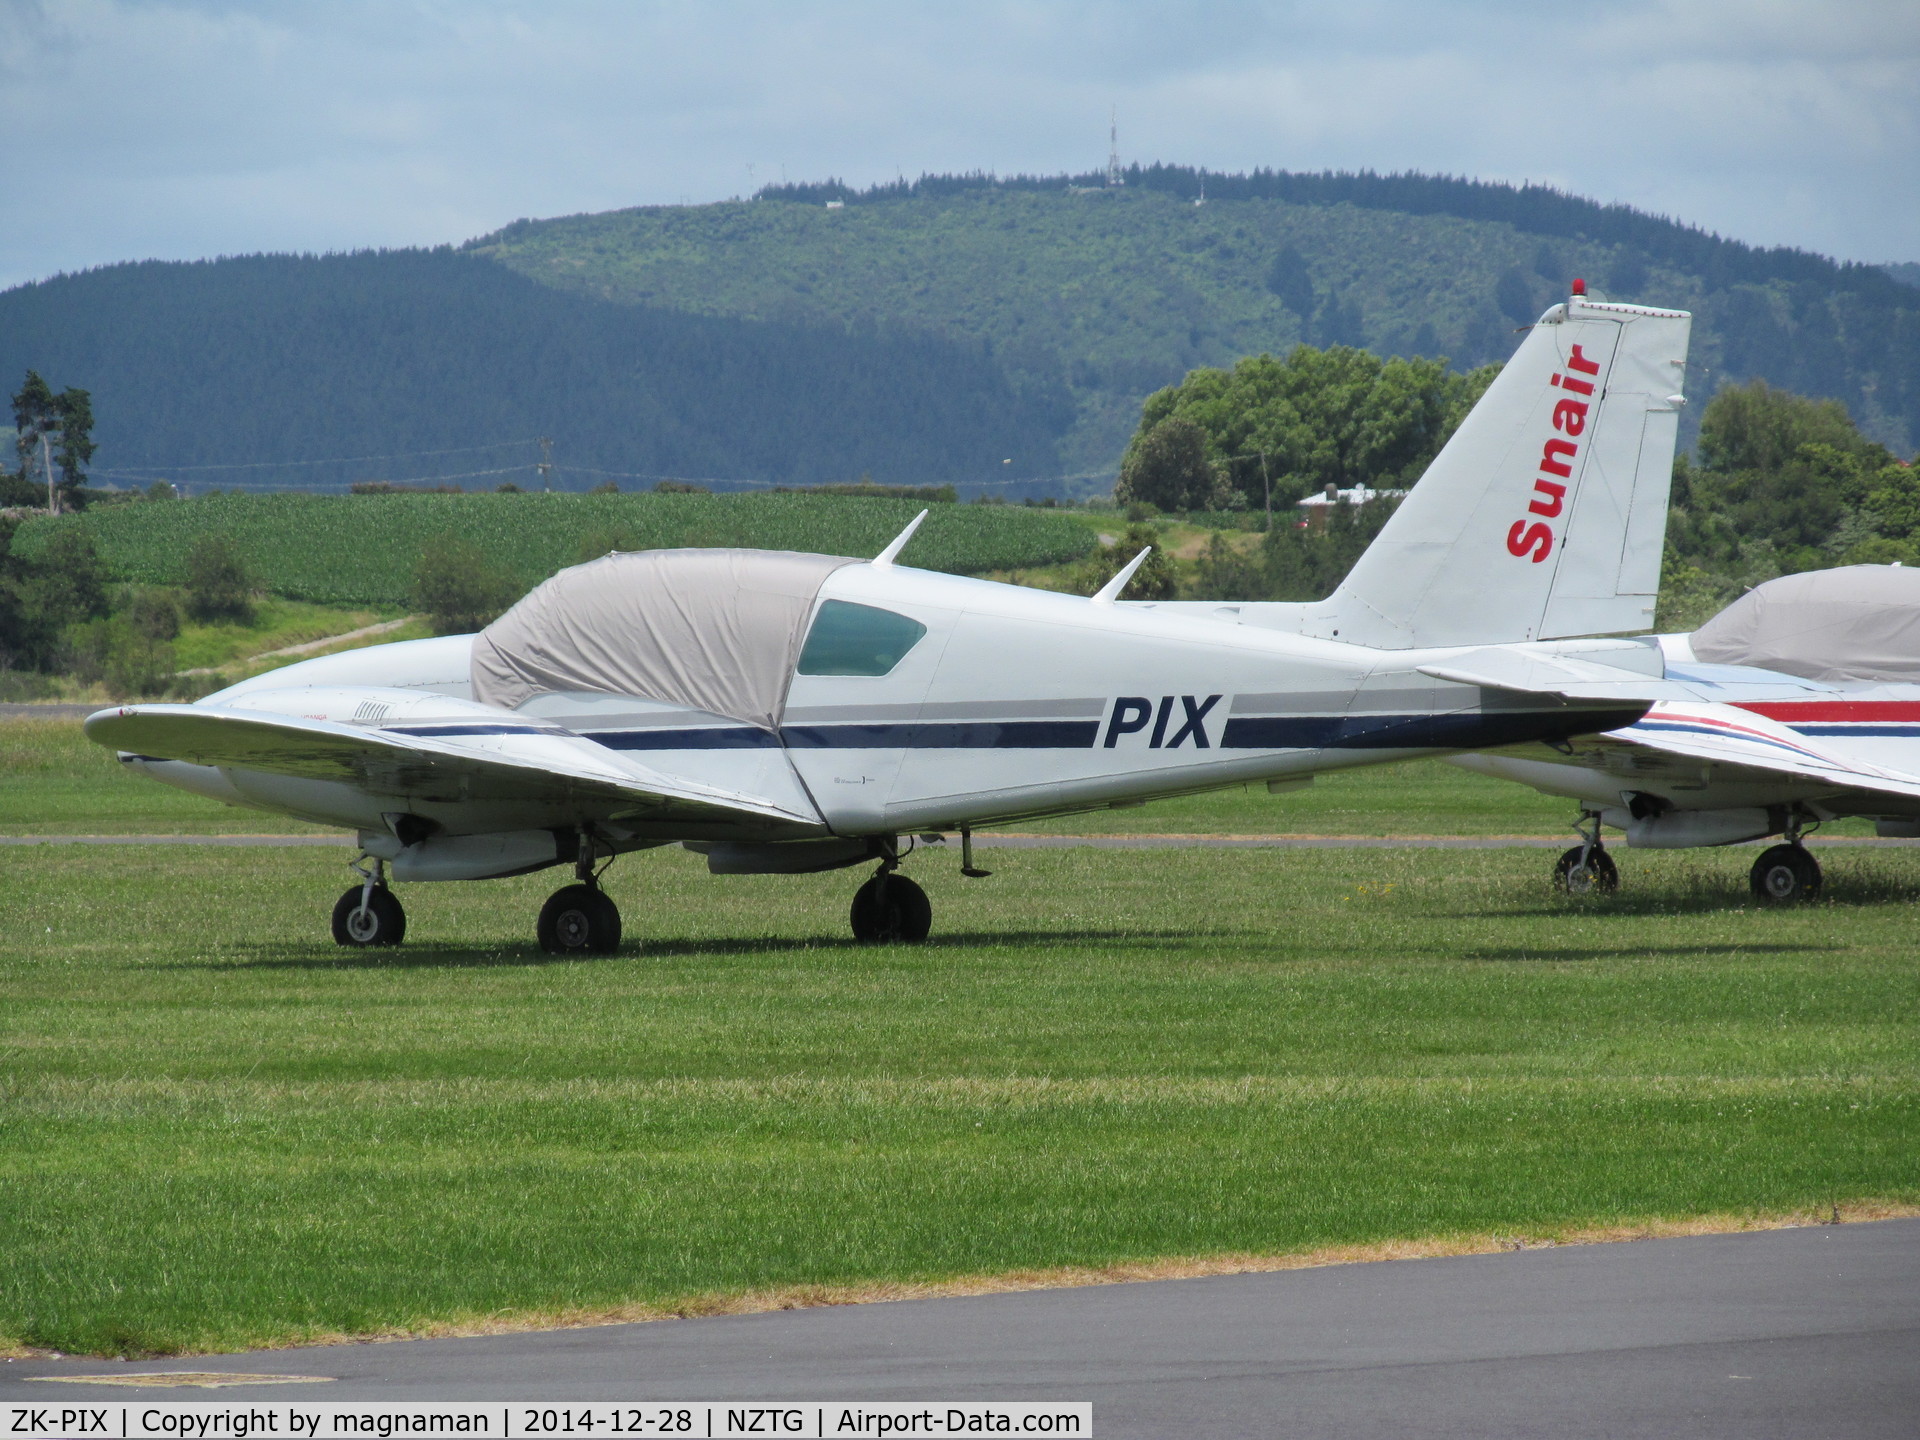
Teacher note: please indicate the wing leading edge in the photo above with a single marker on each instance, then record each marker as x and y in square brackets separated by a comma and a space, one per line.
[1722, 735]
[500, 757]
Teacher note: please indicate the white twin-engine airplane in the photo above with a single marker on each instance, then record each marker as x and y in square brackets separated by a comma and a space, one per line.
[1806, 709]
[788, 713]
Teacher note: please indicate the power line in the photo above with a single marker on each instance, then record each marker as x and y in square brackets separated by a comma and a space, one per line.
[791, 485]
[287, 464]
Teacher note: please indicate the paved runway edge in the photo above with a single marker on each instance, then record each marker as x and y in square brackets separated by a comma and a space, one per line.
[1782, 1333]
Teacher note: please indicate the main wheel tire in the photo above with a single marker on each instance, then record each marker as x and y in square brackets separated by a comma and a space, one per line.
[891, 910]
[380, 921]
[1596, 875]
[579, 920]
[1785, 875]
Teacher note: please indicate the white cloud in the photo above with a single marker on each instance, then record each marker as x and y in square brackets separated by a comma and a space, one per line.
[168, 128]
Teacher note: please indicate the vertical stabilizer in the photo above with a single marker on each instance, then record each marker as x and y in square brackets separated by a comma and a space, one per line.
[1545, 514]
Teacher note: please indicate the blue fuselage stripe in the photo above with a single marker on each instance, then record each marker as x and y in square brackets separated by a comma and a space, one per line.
[1904, 732]
[949, 735]
[706, 737]
[478, 728]
[1468, 731]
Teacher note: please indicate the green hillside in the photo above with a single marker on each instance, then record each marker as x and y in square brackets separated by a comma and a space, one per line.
[994, 335]
[1117, 293]
[264, 371]
[362, 549]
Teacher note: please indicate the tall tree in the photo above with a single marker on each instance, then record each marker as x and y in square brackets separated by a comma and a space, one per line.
[74, 452]
[56, 428]
[1167, 467]
[36, 413]
[1338, 416]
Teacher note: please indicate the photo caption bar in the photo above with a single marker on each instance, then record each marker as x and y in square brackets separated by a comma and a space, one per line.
[307, 1420]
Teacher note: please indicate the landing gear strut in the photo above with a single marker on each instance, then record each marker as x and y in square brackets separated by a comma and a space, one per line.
[1786, 874]
[579, 919]
[368, 914]
[1586, 869]
[890, 909]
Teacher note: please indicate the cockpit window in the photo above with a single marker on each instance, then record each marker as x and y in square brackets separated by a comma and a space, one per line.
[849, 639]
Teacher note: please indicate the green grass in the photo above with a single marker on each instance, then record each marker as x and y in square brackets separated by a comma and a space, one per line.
[277, 623]
[217, 1129]
[54, 781]
[362, 549]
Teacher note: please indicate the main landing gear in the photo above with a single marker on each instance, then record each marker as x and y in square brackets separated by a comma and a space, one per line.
[580, 919]
[1586, 869]
[890, 909]
[1785, 874]
[368, 914]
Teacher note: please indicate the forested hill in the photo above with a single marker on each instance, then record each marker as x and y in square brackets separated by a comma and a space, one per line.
[232, 363]
[1116, 292]
[955, 329]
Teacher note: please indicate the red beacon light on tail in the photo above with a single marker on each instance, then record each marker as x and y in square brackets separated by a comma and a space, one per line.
[1579, 288]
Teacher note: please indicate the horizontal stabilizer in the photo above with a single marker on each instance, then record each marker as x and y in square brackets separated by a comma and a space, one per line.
[1569, 677]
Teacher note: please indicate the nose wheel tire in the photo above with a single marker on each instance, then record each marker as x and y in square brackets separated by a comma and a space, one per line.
[1586, 870]
[579, 920]
[361, 919]
[891, 910]
[1785, 875]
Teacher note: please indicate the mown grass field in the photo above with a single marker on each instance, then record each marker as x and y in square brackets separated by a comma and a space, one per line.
[218, 1129]
[362, 549]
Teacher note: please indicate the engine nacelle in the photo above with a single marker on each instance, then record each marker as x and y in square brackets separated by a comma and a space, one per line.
[1686, 829]
[465, 857]
[785, 857]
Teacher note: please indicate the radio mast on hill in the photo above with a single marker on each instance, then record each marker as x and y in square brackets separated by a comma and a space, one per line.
[1114, 178]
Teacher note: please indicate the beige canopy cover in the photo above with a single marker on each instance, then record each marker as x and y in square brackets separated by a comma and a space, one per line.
[1860, 622]
[716, 630]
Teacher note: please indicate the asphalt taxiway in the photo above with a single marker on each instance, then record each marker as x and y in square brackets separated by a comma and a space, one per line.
[1782, 1333]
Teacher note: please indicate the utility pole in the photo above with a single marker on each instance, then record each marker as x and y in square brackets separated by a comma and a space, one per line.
[46, 464]
[546, 463]
[1267, 481]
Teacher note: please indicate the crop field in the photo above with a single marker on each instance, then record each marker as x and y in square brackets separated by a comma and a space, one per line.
[221, 1130]
[362, 549]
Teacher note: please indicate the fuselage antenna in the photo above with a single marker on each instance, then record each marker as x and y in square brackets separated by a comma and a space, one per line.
[886, 556]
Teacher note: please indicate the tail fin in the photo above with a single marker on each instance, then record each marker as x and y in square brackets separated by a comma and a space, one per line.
[1544, 516]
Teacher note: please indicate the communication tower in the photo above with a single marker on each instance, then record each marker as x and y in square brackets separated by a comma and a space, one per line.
[1114, 178]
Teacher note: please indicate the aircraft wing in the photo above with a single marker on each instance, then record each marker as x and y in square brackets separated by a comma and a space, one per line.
[509, 759]
[1726, 737]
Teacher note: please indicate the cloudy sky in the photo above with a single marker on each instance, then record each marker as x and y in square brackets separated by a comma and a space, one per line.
[187, 128]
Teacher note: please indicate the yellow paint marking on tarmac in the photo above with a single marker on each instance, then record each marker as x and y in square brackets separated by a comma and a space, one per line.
[203, 1379]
